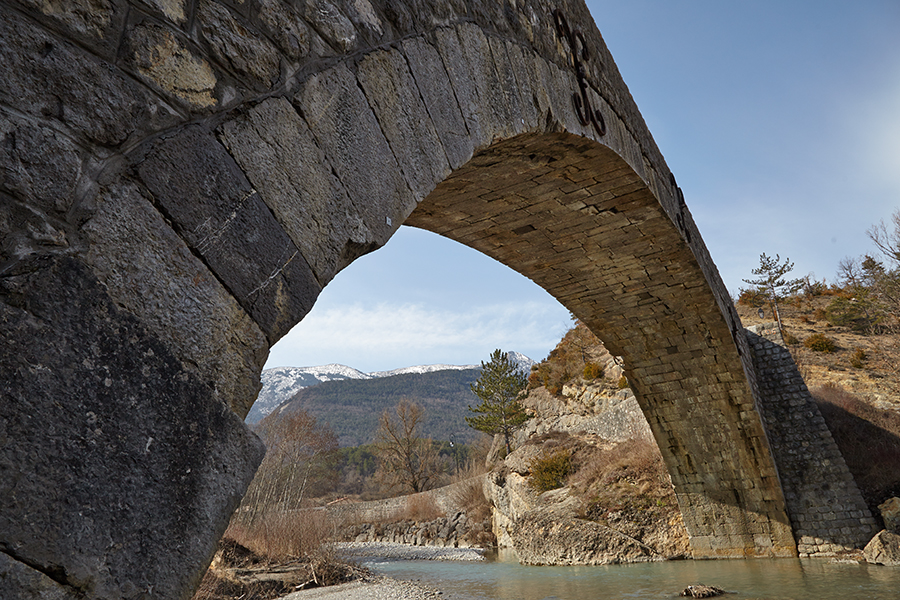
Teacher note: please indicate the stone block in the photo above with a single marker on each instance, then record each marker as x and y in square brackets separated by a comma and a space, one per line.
[49, 78]
[95, 23]
[151, 272]
[397, 103]
[125, 468]
[21, 582]
[440, 99]
[349, 135]
[233, 44]
[162, 59]
[222, 217]
[277, 151]
[39, 165]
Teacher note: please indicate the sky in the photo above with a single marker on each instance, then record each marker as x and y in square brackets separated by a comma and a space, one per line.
[780, 120]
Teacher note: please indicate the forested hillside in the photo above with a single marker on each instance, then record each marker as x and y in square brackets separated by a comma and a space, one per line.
[352, 407]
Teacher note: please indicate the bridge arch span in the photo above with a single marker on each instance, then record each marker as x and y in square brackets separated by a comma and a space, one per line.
[181, 179]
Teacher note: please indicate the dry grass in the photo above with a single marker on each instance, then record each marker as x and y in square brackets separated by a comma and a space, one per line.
[469, 497]
[279, 536]
[419, 508]
[869, 439]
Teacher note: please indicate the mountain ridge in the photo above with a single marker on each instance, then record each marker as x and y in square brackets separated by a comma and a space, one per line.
[280, 384]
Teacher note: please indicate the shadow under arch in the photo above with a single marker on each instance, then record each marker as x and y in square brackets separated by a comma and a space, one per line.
[574, 217]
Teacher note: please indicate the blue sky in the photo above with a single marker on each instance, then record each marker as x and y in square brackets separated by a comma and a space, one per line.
[781, 121]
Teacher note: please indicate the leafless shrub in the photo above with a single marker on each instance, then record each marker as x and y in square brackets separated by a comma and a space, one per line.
[277, 536]
[469, 497]
[421, 507]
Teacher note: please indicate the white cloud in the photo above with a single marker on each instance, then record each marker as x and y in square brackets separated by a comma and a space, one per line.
[388, 336]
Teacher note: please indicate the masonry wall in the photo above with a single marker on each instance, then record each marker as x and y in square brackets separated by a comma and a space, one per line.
[827, 511]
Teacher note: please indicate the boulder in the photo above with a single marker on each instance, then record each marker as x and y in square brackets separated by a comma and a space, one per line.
[884, 549]
[701, 591]
[890, 512]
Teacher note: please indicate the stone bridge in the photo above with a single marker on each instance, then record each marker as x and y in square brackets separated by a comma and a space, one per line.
[179, 179]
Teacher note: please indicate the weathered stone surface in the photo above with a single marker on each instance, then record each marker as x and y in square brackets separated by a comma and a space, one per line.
[20, 582]
[890, 513]
[346, 130]
[38, 164]
[394, 96]
[247, 53]
[173, 10]
[94, 22]
[150, 272]
[164, 61]
[884, 549]
[331, 24]
[437, 92]
[285, 27]
[280, 156]
[117, 468]
[231, 228]
[49, 78]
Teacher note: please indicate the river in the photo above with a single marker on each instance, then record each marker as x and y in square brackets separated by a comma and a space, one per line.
[503, 578]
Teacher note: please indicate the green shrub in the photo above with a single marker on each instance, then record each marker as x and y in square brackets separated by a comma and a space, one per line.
[550, 472]
[790, 339]
[592, 371]
[820, 343]
[623, 382]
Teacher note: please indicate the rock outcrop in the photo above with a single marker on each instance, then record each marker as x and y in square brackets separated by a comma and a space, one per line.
[890, 513]
[548, 528]
[884, 549]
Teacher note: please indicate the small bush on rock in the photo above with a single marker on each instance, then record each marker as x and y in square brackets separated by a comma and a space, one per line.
[550, 472]
[592, 371]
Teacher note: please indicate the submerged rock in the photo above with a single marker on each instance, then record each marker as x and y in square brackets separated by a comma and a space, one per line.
[701, 591]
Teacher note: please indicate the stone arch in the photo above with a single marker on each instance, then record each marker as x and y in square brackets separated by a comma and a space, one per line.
[181, 179]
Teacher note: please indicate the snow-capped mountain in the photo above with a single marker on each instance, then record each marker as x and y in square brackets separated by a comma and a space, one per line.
[422, 369]
[523, 361]
[281, 383]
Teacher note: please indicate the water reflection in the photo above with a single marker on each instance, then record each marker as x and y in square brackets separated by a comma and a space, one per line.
[760, 579]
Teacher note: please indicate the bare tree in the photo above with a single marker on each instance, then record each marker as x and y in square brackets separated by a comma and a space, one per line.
[406, 460]
[299, 460]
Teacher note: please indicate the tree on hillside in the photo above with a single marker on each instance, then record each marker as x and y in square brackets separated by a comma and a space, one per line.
[406, 460]
[498, 388]
[772, 281]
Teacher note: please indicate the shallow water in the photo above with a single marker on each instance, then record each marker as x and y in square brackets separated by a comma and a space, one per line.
[761, 579]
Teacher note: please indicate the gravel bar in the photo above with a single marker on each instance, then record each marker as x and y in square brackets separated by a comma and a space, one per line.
[373, 588]
[396, 551]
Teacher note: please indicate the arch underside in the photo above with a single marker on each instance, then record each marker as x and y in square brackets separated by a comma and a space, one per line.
[575, 218]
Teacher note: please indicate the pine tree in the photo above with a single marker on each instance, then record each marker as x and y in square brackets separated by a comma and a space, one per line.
[771, 280]
[498, 388]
